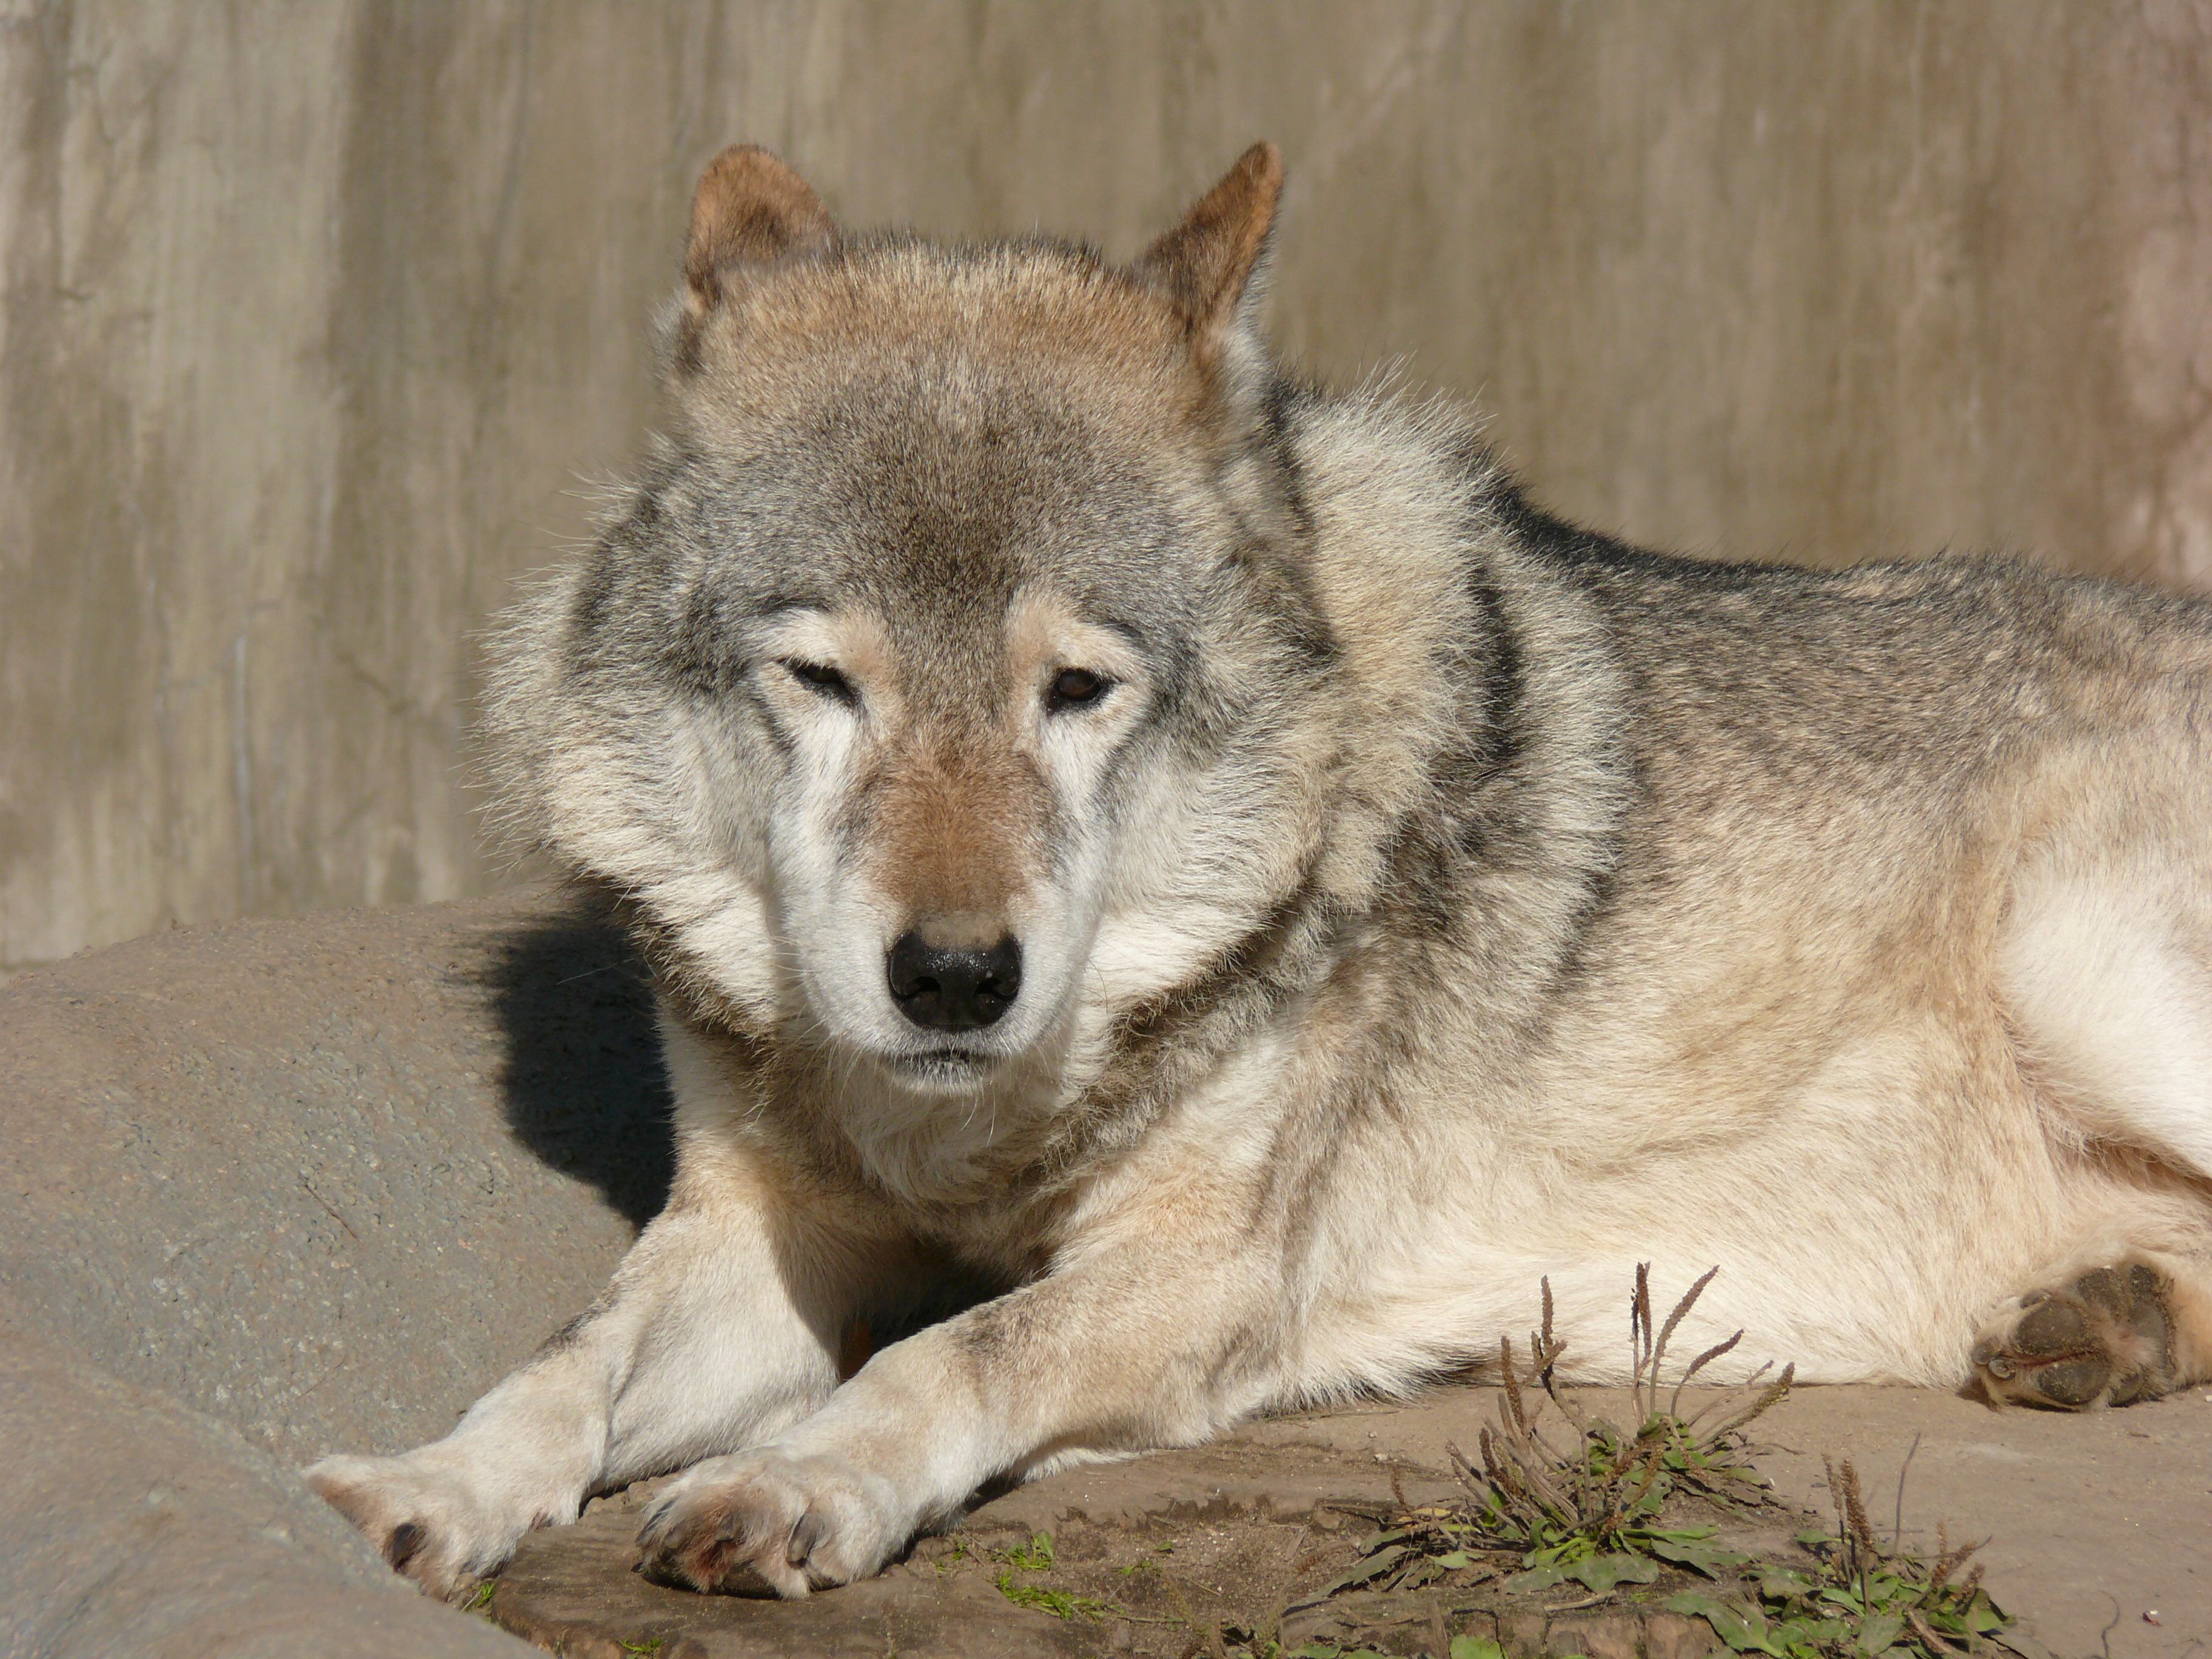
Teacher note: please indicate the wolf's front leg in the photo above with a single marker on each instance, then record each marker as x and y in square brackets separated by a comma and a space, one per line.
[721, 1329]
[1145, 1343]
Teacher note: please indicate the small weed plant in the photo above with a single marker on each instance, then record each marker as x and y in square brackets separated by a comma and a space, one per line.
[1584, 1499]
[1036, 1557]
[1608, 1507]
[1861, 1600]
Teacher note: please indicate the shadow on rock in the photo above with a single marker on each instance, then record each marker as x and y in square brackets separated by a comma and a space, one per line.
[585, 1091]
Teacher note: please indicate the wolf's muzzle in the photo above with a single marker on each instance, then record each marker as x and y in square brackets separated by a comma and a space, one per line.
[954, 989]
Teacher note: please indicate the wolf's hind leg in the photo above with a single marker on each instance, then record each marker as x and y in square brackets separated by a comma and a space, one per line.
[721, 1327]
[2134, 1327]
[2104, 968]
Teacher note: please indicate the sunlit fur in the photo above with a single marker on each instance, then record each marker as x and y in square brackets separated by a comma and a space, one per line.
[1437, 899]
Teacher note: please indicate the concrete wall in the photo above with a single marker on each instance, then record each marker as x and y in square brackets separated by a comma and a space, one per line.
[317, 310]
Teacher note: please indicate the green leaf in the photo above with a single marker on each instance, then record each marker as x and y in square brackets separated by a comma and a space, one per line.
[1784, 1585]
[1475, 1647]
[1058, 1603]
[1814, 1633]
[1361, 1571]
[1983, 1616]
[1454, 1560]
[1605, 1571]
[1708, 1559]
[1741, 1628]
[1876, 1635]
[1566, 1552]
[1035, 1556]
[1416, 1575]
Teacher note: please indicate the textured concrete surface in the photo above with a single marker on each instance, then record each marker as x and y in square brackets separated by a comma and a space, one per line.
[269, 1189]
[313, 311]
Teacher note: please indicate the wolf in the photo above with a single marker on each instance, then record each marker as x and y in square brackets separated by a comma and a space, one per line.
[1207, 861]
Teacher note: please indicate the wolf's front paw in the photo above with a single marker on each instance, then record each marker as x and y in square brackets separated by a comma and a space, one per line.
[769, 1522]
[433, 1516]
[2103, 1337]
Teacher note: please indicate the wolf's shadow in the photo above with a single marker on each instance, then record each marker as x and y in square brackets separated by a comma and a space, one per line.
[586, 1089]
[586, 1093]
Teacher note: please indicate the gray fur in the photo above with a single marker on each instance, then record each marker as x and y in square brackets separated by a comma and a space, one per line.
[1436, 897]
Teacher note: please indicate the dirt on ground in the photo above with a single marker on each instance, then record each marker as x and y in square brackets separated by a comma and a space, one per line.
[2093, 1532]
[1189, 1577]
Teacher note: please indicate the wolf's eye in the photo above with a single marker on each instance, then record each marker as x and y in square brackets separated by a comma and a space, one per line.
[1075, 687]
[822, 679]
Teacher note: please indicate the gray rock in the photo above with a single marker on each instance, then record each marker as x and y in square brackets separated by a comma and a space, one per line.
[130, 1524]
[275, 1189]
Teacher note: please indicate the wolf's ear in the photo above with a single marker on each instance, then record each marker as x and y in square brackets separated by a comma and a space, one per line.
[750, 209]
[1204, 264]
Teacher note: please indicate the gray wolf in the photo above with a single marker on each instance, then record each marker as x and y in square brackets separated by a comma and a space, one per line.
[1207, 857]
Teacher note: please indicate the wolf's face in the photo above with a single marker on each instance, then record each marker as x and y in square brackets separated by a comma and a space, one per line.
[949, 641]
[924, 692]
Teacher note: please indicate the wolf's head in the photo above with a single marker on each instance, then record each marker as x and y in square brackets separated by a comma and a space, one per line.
[936, 695]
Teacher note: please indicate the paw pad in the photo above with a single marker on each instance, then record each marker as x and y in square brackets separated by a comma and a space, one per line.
[2101, 1339]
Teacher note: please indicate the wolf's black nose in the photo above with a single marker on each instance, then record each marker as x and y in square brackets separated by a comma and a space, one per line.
[954, 989]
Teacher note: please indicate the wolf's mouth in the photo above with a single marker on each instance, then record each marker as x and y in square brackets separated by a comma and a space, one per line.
[941, 1065]
[947, 1057]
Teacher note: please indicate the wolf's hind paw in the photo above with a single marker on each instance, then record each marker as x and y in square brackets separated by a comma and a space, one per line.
[2103, 1338]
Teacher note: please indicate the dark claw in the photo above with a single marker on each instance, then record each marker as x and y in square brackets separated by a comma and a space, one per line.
[804, 1536]
[400, 1548]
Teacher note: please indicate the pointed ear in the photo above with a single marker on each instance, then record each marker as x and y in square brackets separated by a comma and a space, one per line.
[750, 209]
[1204, 264]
